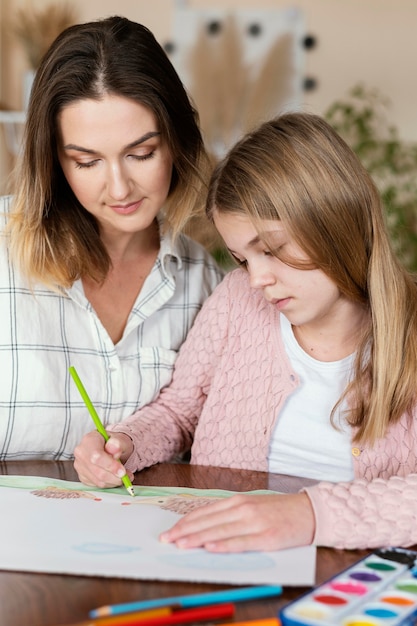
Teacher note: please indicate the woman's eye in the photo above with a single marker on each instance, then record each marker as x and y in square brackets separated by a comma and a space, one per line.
[85, 165]
[143, 157]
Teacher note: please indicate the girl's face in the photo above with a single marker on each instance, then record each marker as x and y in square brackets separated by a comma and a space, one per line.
[113, 157]
[306, 297]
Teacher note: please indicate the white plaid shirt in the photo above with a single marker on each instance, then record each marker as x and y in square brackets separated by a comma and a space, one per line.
[42, 333]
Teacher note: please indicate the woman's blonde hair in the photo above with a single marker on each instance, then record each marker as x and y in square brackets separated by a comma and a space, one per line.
[297, 169]
[52, 237]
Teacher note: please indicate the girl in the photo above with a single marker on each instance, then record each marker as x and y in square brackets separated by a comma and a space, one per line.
[303, 362]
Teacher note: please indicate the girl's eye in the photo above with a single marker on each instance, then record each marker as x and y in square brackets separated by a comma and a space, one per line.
[240, 262]
[275, 252]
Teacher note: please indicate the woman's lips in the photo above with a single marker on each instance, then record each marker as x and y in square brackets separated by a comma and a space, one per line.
[126, 209]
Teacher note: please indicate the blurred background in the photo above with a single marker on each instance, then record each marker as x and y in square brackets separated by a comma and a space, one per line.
[243, 61]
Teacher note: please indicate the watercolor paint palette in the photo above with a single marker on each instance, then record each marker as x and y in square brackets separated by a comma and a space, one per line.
[379, 590]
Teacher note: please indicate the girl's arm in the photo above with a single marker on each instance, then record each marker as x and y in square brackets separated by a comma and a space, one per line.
[165, 427]
[355, 515]
[246, 522]
[363, 514]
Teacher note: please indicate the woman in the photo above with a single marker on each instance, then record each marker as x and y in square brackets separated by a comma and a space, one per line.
[94, 270]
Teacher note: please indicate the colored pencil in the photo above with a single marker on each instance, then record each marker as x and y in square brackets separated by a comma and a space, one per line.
[240, 594]
[97, 421]
[121, 620]
[175, 617]
[267, 621]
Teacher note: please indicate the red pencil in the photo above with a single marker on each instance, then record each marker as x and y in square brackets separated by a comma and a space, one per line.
[181, 616]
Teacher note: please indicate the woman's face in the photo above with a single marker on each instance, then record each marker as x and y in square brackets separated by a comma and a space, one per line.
[115, 161]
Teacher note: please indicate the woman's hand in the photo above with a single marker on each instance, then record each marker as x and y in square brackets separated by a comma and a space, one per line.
[98, 462]
[246, 522]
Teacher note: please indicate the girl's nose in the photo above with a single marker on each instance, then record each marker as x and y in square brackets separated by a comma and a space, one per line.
[260, 277]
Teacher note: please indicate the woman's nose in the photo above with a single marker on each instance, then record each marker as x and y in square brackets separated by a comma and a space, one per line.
[118, 183]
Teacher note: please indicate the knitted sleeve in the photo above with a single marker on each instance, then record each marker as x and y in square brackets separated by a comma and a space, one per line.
[166, 427]
[362, 514]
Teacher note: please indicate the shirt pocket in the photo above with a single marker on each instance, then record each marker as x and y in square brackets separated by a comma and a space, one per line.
[151, 371]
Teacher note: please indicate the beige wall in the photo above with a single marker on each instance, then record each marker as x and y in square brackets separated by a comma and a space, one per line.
[368, 41]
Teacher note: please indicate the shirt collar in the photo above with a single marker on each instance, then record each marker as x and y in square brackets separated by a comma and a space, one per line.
[169, 249]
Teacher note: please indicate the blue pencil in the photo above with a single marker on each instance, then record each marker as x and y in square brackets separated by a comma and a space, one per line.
[201, 599]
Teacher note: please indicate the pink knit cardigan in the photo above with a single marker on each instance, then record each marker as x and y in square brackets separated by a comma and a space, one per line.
[231, 379]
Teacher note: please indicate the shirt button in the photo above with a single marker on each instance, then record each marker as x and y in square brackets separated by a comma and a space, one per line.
[356, 451]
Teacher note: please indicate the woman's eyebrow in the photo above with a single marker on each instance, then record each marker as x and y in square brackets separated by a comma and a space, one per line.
[134, 144]
[153, 133]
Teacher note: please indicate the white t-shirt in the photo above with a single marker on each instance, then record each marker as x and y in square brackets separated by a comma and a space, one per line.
[304, 442]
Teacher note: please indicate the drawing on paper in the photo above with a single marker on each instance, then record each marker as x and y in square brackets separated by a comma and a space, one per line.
[180, 503]
[84, 531]
[63, 494]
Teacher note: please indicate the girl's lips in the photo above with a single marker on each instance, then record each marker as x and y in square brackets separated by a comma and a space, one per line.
[281, 304]
[126, 209]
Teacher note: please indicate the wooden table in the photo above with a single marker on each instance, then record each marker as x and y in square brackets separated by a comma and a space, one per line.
[28, 599]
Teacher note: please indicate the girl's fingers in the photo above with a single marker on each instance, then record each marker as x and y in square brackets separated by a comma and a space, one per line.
[246, 522]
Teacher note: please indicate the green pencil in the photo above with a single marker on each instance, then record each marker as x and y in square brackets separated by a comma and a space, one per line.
[97, 421]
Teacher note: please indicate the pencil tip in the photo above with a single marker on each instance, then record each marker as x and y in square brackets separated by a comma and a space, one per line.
[100, 612]
[131, 491]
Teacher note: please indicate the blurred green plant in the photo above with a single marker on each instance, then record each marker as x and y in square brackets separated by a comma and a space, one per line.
[362, 120]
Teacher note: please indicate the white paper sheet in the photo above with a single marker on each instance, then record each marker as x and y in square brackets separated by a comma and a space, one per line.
[63, 527]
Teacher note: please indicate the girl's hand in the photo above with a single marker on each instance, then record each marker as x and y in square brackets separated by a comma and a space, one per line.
[246, 522]
[97, 462]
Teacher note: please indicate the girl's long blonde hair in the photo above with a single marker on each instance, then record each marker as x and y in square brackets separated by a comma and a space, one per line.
[52, 238]
[297, 169]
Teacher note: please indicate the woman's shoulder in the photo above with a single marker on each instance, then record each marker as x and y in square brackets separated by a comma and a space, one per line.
[186, 247]
[191, 263]
[5, 206]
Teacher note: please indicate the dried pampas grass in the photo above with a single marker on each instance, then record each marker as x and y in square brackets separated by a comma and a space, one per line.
[203, 72]
[232, 97]
[36, 30]
[232, 77]
[214, 88]
[271, 87]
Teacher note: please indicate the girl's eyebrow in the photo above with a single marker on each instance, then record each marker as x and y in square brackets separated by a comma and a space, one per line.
[250, 244]
[259, 238]
[253, 242]
[130, 146]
